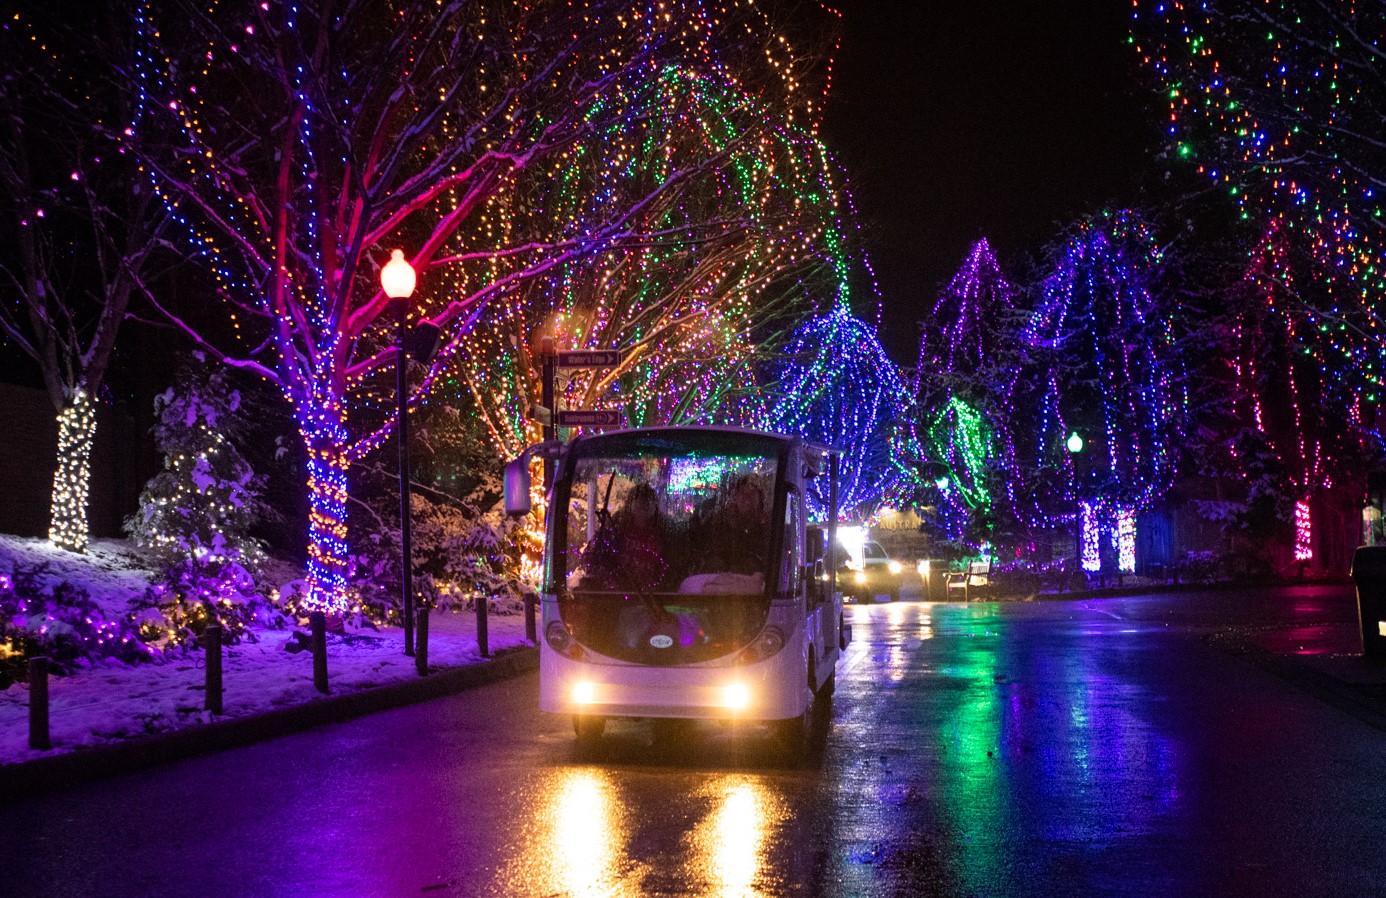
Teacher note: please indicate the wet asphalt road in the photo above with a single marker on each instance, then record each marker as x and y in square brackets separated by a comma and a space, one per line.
[1099, 747]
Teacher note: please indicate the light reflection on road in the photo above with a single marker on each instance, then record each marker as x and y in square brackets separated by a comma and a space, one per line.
[585, 832]
[594, 836]
[728, 845]
[1005, 743]
[963, 759]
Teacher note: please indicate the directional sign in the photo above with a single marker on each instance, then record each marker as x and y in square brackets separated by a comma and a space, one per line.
[601, 418]
[592, 358]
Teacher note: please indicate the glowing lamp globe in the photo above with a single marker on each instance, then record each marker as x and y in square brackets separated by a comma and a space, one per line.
[1075, 443]
[397, 277]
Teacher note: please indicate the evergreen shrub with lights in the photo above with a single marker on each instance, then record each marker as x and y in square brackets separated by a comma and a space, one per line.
[62, 622]
[469, 554]
[195, 517]
[460, 554]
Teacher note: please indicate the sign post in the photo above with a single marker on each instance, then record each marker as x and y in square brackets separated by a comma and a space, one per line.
[548, 361]
[585, 358]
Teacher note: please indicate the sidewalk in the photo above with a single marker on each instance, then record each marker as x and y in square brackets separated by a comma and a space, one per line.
[107, 721]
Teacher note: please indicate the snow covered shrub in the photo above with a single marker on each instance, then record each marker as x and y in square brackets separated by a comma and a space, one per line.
[61, 621]
[459, 552]
[193, 594]
[483, 555]
[195, 516]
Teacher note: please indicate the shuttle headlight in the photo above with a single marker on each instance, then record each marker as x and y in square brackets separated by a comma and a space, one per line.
[584, 693]
[736, 696]
[896, 567]
[859, 577]
[770, 641]
[560, 640]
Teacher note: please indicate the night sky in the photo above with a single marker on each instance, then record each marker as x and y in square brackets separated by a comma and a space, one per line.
[980, 119]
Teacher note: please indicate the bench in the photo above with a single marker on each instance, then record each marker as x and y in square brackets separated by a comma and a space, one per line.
[974, 581]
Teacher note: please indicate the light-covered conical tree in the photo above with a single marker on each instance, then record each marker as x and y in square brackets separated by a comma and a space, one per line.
[839, 387]
[1113, 376]
[196, 514]
[958, 385]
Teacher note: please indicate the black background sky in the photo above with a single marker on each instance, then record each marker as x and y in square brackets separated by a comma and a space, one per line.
[1001, 119]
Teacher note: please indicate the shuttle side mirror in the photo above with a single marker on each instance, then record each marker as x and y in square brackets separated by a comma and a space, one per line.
[516, 483]
[516, 487]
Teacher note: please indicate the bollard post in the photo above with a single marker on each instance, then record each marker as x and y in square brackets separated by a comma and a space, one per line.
[213, 699]
[531, 626]
[317, 625]
[38, 703]
[481, 637]
[421, 639]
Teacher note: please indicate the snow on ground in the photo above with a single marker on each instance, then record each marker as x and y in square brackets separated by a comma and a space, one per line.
[108, 703]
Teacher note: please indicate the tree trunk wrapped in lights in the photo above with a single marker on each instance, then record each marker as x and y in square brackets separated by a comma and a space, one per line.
[71, 481]
[1291, 431]
[325, 436]
[299, 143]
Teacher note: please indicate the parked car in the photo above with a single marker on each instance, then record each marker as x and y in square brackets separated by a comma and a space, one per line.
[878, 573]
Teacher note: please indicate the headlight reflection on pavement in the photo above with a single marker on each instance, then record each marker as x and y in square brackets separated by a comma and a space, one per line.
[585, 830]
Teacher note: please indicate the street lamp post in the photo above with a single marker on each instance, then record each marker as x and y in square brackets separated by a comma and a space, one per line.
[1075, 448]
[398, 279]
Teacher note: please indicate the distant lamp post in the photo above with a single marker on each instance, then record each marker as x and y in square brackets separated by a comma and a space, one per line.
[397, 279]
[1075, 448]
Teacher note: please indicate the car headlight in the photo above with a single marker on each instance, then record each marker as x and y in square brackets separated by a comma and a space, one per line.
[896, 567]
[860, 576]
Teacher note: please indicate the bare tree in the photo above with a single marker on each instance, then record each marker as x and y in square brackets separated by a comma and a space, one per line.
[300, 142]
[80, 229]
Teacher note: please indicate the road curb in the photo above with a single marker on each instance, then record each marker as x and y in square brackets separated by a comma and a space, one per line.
[1118, 592]
[1360, 692]
[86, 764]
